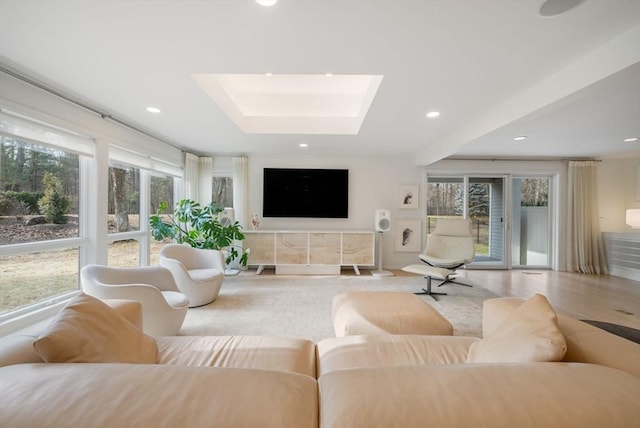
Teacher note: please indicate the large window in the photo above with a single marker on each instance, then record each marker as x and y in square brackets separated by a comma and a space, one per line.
[68, 199]
[445, 198]
[138, 183]
[36, 277]
[123, 215]
[39, 192]
[161, 190]
[39, 223]
[134, 194]
[124, 198]
[222, 191]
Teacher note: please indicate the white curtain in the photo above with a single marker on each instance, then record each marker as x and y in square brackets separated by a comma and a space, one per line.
[206, 180]
[191, 176]
[198, 176]
[241, 189]
[585, 251]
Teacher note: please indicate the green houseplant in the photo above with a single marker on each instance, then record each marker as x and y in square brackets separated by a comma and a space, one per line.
[199, 227]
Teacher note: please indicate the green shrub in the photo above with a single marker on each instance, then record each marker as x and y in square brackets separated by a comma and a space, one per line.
[12, 207]
[54, 204]
[19, 203]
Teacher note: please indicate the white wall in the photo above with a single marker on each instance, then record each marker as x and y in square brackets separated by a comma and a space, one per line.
[617, 191]
[373, 183]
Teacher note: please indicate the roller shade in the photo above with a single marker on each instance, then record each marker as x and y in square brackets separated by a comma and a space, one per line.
[144, 161]
[21, 127]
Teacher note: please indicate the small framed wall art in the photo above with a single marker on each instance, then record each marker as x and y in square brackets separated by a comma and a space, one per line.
[408, 196]
[407, 236]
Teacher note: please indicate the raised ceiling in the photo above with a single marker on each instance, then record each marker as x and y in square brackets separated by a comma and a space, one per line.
[495, 69]
[292, 103]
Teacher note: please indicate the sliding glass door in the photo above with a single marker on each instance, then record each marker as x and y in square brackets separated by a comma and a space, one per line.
[486, 209]
[445, 198]
[510, 216]
[479, 198]
[531, 231]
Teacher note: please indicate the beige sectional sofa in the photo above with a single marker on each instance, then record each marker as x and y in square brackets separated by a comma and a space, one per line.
[424, 381]
[352, 381]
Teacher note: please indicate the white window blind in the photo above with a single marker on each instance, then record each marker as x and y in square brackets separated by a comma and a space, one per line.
[144, 161]
[15, 125]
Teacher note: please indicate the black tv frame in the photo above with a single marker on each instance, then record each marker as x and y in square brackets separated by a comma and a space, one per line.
[305, 193]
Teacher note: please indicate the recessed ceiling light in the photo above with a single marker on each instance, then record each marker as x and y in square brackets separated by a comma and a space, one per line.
[269, 74]
[628, 140]
[329, 74]
[433, 114]
[266, 2]
[520, 138]
[153, 109]
[303, 145]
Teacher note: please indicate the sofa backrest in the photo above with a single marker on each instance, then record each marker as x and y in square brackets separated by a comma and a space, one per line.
[585, 343]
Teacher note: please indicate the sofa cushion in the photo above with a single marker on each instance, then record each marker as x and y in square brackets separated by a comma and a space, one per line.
[529, 334]
[146, 395]
[369, 313]
[89, 331]
[348, 352]
[246, 352]
[523, 395]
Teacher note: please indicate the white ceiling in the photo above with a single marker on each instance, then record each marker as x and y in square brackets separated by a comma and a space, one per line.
[495, 69]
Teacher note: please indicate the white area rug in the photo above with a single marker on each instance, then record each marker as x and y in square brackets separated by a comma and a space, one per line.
[300, 306]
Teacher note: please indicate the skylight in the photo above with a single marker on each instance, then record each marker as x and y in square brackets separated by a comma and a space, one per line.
[292, 103]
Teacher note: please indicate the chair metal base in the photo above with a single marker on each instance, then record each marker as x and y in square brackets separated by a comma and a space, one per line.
[447, 278]
[427, 291]
[453, 281]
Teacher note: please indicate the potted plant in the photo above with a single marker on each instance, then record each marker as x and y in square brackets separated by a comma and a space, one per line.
[199, 227]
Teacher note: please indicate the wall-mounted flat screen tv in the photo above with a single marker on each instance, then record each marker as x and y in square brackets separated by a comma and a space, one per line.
[311, 193]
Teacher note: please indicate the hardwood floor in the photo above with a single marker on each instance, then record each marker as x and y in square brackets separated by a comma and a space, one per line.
[595, 297]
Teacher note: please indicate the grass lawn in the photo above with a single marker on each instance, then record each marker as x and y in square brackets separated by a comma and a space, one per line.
[29, 278]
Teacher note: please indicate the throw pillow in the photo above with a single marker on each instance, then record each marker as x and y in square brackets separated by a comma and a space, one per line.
[529, 334]
[89, 331]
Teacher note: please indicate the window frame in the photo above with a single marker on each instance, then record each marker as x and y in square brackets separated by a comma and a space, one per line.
[44, 308]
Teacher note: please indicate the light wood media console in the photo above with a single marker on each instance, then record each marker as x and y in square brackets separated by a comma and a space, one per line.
[310, 252]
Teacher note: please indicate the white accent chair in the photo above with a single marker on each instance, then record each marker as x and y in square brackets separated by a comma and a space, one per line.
[449, 247]
[164, 307]
[198, 272]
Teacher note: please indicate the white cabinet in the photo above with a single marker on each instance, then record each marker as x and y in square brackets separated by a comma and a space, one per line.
[310, 252]
[623, 254]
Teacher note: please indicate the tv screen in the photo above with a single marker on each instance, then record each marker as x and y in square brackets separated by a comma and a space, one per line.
[313, 193]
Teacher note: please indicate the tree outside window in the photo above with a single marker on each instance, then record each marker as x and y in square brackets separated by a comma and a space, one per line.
[222, 191]
[124, 198]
